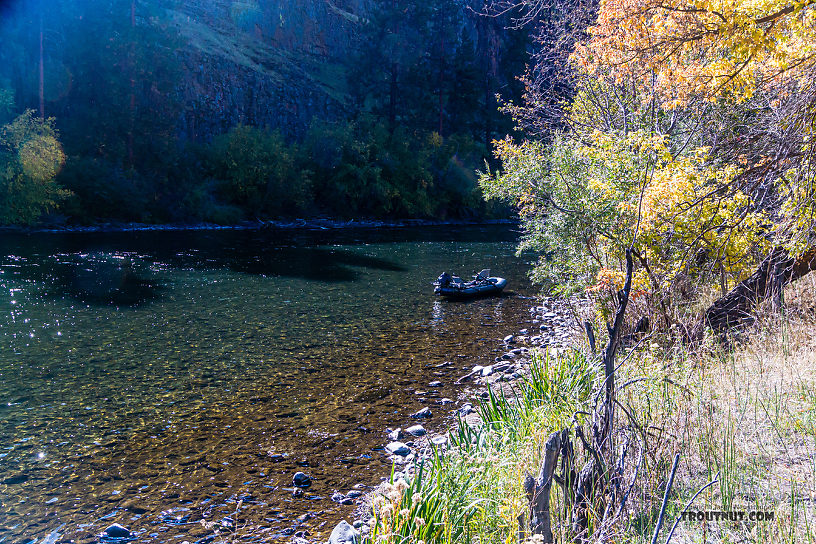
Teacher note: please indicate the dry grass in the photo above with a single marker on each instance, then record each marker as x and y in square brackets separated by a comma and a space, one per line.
[752, 418]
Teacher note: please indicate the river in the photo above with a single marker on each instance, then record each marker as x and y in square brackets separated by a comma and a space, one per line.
[159, 379]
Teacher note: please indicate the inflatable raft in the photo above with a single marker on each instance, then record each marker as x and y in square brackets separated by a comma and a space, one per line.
[482, 285]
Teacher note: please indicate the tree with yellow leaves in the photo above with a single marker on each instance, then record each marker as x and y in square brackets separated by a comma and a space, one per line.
[689, 139]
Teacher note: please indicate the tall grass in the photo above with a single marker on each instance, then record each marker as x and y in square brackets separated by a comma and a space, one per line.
[745, 420]
[474, 489]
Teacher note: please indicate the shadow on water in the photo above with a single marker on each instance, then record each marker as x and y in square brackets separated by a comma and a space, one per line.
[95, 279]
[311, 263]
[116, 268]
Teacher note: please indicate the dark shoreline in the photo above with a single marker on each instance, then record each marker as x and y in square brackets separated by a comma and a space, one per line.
[294, 224]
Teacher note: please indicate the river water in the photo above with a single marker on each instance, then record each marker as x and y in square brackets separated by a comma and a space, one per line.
[159, 379]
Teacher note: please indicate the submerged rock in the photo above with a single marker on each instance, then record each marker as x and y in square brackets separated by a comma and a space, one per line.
[344, 533]
[116, 531]
[422, 414]
[301, 480]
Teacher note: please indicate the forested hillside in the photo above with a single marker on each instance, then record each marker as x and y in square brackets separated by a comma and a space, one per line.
[226, 111]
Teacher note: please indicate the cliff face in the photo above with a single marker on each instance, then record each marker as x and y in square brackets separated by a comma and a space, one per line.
[274, 63]
[281, 63]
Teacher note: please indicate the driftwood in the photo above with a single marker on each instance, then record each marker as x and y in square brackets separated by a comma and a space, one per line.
[538, 489]
[736, 307]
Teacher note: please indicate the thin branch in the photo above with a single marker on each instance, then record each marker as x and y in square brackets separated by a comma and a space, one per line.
[665, 499]
[709, 484]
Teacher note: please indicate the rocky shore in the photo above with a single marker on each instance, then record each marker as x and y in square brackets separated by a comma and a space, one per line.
[553, 326]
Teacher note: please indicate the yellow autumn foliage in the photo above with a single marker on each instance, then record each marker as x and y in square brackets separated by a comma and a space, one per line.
[703, 48]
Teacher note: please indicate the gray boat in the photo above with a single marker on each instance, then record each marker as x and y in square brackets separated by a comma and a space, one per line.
[482, 285]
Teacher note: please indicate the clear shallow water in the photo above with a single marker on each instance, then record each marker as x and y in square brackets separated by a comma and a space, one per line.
[149, 378]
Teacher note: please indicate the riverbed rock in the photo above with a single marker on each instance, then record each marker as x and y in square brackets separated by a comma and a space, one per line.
[439, 440]
[398, 448]
[487, 371]
[116, 531]
[301, 480]
[435, 383]
[425, 413]
[416, 430]
[465, 409]
[344, 533]
[396, 434]
[510, 339]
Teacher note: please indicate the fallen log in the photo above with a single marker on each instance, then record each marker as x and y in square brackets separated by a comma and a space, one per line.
[736, 308]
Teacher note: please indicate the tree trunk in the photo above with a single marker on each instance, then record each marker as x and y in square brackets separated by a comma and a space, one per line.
[768, 281]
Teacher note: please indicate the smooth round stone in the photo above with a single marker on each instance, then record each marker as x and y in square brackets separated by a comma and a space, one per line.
[436, 383]
[301, 480]
[440, 440]
[416, 430]
[509, 339]
[396, 434]
[487, 371]
[398, 448]
[422, 414]
[444, 401]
